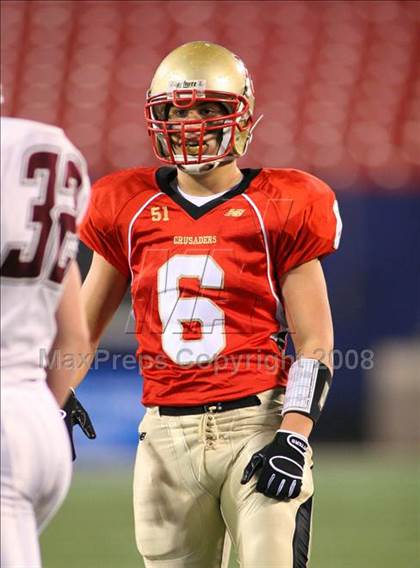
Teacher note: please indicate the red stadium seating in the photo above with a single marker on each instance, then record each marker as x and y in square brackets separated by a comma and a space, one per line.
[338, 82]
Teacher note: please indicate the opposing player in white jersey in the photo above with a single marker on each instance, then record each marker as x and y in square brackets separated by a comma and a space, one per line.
[44, 192]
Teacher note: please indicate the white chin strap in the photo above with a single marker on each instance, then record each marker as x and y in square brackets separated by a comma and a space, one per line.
[197, 169]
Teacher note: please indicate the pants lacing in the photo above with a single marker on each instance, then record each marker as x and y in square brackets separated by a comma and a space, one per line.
[209, 436]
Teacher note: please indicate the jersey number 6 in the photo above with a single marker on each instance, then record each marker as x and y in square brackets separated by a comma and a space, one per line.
[174, 309]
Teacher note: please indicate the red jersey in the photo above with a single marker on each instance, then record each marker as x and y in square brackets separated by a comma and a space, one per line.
[205, 279]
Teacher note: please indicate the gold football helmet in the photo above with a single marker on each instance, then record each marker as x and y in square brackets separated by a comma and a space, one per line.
[194, 73]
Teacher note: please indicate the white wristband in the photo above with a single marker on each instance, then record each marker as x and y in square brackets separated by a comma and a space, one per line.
[307, 388]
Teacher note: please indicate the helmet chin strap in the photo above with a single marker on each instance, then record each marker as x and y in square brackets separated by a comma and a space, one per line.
[196, 169]
[199, 169]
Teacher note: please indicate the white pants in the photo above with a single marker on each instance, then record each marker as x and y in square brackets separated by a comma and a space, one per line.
[187, 492]
[35, 469]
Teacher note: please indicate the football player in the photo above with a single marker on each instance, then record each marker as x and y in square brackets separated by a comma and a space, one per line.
[222, 263]
[44, 192]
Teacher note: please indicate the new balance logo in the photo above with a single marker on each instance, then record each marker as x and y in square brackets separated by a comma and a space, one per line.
[234, 212]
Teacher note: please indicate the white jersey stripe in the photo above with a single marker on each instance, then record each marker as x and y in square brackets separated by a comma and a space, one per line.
[133, 220]
[267, 251]
[339, 226]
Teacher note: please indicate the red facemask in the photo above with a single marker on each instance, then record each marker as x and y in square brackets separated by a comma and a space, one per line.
[165, 133]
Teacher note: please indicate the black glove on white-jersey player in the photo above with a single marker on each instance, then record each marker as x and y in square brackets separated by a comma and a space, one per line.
[281, 462]
[75, 413]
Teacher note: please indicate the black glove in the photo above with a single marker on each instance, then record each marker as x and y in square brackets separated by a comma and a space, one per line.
[281, 463]
[76, 414]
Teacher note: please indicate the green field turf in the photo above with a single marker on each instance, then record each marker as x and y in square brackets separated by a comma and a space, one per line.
[367, 515]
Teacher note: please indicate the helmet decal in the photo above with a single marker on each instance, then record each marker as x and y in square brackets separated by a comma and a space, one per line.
[198, 85]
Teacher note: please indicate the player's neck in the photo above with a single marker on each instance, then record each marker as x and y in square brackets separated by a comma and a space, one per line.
[215, 181]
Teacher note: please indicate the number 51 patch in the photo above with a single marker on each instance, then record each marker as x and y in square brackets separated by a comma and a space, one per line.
[159, 213]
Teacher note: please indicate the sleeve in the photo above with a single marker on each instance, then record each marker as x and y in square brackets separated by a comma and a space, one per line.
[100, 233]
[313, 231]
[84, 194]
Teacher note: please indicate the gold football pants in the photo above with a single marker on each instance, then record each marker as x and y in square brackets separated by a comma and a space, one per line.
[187, 492]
